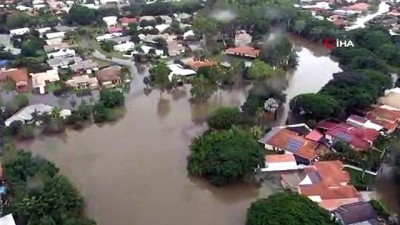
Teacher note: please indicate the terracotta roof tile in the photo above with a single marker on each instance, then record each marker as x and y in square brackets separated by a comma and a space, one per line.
[244, 50]
[197, 64]
[325, 192]
[280, 158]
[282, 138]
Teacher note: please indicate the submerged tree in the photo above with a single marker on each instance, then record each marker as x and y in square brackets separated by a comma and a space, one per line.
[160, 74]
[224, 157]
[202, 89]
[289, 209]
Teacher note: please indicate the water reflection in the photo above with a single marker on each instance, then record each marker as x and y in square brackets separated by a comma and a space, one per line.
[134, 170]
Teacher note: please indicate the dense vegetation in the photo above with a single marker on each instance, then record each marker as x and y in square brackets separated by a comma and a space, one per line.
[224, 157]
[224, 118]
[39, 194]
[287, 208]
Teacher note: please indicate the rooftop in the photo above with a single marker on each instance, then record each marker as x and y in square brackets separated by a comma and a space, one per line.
[17, 75]
[197, 64]
[243, 50]
[108, 74]
[288, 140]
[356, 212]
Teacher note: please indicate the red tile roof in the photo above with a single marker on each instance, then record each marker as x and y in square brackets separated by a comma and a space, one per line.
[280, 158]
[128, 20]
[385, 114]
[197, 64]
[325, 192]
[108, 74]
[114, 29]
[19, 76]
[244, 50]
[359, 6]
[314, 135]
[283, 136]
[331, 172]
[358, 137]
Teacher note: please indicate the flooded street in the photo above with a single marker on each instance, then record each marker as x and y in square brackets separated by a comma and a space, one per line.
[362, 20]
[134, 170]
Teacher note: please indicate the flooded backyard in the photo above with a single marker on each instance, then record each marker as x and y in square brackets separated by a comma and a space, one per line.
[134, 171]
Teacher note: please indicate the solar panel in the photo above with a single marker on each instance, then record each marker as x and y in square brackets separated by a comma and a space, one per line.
[344, 136]
[315, 177]
[294, 145]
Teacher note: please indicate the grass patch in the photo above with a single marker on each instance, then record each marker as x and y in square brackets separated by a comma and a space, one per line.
[54, 86]
[113, 53]
[361, 181]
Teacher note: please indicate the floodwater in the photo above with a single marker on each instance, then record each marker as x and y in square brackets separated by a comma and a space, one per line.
[134, 170]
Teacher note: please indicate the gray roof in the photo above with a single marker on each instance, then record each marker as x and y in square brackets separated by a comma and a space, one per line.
[57, 61]
[60, 28]
[359, 212]
[84, 65]
[121, 39]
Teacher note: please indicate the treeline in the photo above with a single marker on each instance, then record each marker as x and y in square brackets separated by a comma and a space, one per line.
[39, 194]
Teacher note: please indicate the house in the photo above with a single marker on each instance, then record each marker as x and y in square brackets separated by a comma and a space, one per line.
[23, 8]
[110, 21]
[82, 82]
[197, 64]
[356, 213]
[7, 220]
[106, 37]
[61, 28]
[43, 30]
[174, 48]
[183, 17]
[358, 138]
[25, 114]
[147, 18]
[125, 21]
[358, 7]
[386, 116]
[62, 53]
[146, 49]
[56, 47]
[19, 31]
[188, 35]
[124, 47]
[166, 19]
[162, 27]
[62, 62]
[109, 3]
[296, 139]
[326, 183]
[120, 40]
[242, 38]
[55, 35]
[18, 76]
[112, 30]
[243, 51]
[109, 77]
[280, 162]
[363, 123]
[178, 70]
[84, 65]
[39, 80]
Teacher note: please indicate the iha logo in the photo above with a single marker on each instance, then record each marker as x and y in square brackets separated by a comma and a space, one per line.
[332, 43]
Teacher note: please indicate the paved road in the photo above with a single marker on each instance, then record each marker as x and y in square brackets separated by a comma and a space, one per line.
[137, 84]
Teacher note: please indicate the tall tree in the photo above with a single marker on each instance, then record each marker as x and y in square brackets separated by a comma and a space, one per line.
[160, 74]
[289, 209]
[202, 89]
[224, 157]
[81, 15]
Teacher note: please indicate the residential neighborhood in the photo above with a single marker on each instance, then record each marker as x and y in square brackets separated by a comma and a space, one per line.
[260, 122]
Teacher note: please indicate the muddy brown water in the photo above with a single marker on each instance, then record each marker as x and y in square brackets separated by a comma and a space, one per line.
[134, 171]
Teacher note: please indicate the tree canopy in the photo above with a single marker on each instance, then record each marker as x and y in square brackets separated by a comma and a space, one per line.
[40, 194]
[81, 15]
[224, 157]
[224, 118]
[287, 208]
[315, 106]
